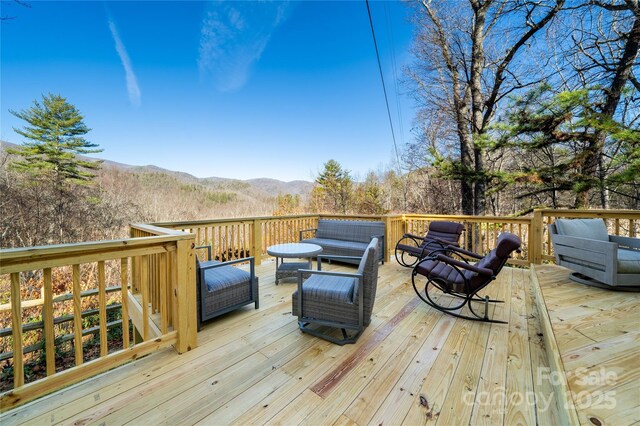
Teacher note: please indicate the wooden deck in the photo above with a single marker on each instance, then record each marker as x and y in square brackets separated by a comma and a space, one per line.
[256, 367]
[597, 336]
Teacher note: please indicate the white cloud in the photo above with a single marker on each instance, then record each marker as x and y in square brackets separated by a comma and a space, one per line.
[233, 36]
[132, 82]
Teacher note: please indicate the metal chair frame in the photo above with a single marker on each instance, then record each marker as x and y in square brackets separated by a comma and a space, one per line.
[468, 296]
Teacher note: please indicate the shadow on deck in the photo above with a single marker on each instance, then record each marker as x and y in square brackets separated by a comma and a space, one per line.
[256, 367]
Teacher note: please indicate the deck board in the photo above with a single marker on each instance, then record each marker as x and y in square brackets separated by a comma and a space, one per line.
[256, 367]
[598, 339]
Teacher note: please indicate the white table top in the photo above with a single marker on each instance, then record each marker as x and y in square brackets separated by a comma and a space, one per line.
[294, 250]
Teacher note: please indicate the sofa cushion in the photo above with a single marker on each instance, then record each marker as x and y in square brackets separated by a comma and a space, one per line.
[329, 246]
[628, 261]
[224, 277]
[592, 229]
[349, 230]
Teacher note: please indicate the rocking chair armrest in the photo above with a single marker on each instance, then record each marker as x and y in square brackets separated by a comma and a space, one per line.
[445, 242]
[414, 236]
[460, 250]
[464, 265]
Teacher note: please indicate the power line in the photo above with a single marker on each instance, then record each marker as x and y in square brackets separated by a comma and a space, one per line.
[384, 87]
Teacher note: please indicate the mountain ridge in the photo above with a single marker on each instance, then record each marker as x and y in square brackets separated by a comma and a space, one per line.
[264, 187]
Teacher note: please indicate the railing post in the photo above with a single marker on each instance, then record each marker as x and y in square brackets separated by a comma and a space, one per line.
[536, 231]
[256, 247]
[387, 237]
[186, 295]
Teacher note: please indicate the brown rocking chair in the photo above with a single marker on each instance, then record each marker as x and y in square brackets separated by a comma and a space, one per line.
[461, 279]
[412, 248]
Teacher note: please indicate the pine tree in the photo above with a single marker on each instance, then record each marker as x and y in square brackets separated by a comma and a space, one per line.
[55, 134]
[337, 185]
[57, 183]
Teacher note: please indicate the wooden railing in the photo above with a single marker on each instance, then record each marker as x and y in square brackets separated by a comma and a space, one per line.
[236, 238]
[479, 235]
[155, 274]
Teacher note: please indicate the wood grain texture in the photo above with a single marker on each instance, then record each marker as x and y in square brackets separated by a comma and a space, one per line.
[255, 367]
[598, 346]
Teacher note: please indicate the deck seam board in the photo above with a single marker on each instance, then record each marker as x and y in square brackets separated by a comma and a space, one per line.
[479, 413]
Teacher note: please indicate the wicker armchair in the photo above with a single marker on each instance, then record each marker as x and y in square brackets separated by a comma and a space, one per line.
[223, 288]
[336, 299]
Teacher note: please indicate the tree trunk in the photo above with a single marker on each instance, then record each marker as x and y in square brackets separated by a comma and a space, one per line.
[594, 161]
[477, 102]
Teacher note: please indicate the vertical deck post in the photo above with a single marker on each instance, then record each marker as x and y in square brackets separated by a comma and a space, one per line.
[186, 295]
[256, 247]
[536, 231]
[387, 237]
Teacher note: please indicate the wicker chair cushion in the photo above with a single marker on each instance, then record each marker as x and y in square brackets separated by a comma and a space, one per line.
[328, 288]
[225, 277]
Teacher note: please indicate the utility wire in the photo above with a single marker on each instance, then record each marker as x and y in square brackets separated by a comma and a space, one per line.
[394, 66]
[384, 87]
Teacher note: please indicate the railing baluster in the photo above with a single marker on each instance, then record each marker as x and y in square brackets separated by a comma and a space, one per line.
[16, 329]
[77, 315]
[102, 301]
[163, 293]
[144, 287]
[124, 284]
[47, 317]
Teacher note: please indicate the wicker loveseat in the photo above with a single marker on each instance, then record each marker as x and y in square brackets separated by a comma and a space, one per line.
[345, 237]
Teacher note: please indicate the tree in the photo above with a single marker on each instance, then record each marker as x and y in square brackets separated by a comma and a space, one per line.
[468, 60]
[287, 204]
[554, 134]
[603, 52]
[49, 184]
[336, 187]
[56, 135]
[369, 197]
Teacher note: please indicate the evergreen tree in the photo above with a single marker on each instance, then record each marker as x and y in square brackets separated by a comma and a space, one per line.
[553, 135]
[55, 134]
[337, 186]
[52, 182]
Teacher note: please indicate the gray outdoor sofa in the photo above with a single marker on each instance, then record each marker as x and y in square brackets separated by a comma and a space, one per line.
[346, 237]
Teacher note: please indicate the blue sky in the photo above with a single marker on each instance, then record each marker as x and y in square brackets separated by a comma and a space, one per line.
[230, 89]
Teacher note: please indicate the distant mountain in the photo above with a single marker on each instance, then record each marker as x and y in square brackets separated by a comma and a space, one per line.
[251, 188]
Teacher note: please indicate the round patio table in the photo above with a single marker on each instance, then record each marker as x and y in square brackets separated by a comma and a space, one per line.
[292, 251]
